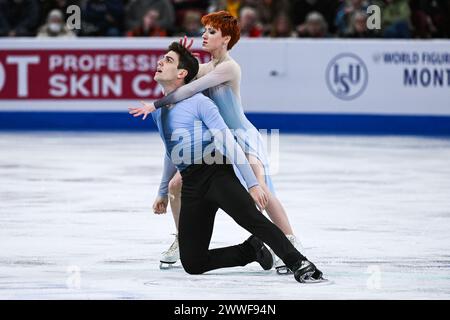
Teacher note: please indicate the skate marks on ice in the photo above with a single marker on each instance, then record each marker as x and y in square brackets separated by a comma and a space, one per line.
[76, 220]
[255, 280]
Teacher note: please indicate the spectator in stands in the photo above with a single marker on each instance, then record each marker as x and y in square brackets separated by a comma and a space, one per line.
[62, 5]
[192, 27]
[268, 11]
[282, 27]
[327, 8]
[430, 18]
[232, 6]
[136, 9]
[250, 25]
[19, 18]
[395, 18]
[345, 16]
[149, 26]
[421, 20]
[55, 26]
[315, 26]
[183, 7]
[187, 5]
[102, 18]
[358, 27]
[440, 16]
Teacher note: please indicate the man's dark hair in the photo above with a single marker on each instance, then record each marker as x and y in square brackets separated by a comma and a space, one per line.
[186, 60]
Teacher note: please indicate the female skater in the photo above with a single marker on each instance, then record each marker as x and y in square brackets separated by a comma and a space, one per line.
[221, 77]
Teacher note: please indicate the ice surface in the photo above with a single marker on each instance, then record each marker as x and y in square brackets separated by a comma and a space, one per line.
[76, 220]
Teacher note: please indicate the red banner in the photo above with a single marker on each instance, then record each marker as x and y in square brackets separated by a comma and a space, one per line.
[80, 74]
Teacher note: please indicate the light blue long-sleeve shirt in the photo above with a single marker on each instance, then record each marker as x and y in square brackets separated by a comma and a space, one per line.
[186, 130]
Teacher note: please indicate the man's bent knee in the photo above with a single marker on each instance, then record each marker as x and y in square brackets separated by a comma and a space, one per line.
[193, 266]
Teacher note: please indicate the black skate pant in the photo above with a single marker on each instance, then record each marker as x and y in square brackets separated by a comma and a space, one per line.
[205, 189]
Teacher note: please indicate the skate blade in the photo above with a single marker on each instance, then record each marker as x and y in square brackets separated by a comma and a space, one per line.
[283, 271]
[319, 283]
[163, 265]
[316, 281]
[305, 276]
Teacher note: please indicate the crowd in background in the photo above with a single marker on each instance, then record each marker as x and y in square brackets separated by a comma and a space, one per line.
[257, 18]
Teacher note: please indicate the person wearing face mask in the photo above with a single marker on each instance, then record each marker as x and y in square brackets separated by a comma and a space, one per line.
[221, 79]
[55, 26]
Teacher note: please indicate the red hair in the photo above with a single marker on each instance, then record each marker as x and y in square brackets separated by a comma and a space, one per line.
[226, 23]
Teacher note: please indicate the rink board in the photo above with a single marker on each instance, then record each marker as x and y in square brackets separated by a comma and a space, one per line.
[286, 123]
[329, 86]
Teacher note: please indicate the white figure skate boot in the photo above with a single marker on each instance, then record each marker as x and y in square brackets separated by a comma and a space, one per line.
[171, 256]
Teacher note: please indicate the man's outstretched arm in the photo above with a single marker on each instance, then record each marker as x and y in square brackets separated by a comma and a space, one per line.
[223, 73]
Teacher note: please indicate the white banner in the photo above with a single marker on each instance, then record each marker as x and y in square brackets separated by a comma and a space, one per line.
[347, 76]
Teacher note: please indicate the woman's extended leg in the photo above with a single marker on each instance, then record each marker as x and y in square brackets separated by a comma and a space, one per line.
[175, 196]
[274, 207]
[275, 211]
[172, 255]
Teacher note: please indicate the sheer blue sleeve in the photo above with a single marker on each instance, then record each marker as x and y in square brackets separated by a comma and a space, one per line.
[224, 72]
[169, 171]
[224, 140]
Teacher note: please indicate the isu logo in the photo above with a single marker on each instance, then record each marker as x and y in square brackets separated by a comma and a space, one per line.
[2, 76]
[347, 76]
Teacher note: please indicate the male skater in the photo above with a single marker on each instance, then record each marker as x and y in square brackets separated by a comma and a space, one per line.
[208, 186]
